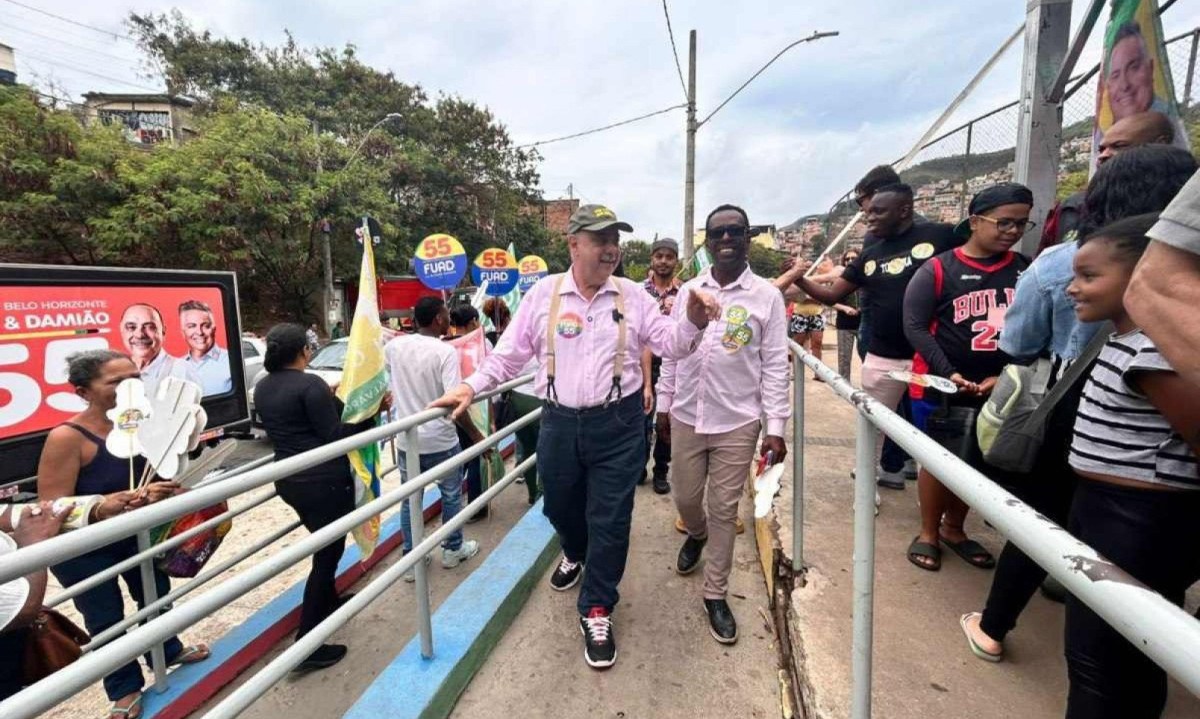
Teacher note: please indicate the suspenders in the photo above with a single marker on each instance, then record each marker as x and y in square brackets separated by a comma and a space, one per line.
[618, 359]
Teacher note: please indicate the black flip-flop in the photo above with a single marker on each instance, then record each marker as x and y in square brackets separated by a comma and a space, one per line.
[925, 549]
[971, 552]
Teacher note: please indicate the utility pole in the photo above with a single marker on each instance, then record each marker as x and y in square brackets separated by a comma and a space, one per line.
[1039, 128]
[689, 179]
[326, 254]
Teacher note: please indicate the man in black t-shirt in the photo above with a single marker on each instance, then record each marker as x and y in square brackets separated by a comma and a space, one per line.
[884, 269]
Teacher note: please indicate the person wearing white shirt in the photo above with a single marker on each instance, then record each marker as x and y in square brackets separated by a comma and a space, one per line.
[141, 331]
[422, 367]
[207, 360]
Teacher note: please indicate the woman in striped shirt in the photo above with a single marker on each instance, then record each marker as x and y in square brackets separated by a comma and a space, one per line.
[1137, 436]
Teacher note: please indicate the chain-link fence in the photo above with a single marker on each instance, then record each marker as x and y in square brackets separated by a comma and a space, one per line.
[951, 168]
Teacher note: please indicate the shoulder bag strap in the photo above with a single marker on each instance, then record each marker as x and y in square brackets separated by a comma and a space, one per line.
[1073, 374]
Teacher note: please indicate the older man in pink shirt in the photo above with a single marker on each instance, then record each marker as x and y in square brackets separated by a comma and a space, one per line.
[588, 329]
[716, 398]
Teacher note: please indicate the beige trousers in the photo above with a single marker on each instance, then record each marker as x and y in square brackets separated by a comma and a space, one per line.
[721, 464]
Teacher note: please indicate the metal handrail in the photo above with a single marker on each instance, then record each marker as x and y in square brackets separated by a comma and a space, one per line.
[1161, 630]
[67, 546]
[92, 666]
[268, 676]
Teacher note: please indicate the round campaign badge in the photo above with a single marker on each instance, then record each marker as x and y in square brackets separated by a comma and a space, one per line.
[498, 268]
[533, 268]
[440, 262]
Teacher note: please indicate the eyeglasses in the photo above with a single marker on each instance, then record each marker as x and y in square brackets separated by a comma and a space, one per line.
[1006, 225]
[735, 232]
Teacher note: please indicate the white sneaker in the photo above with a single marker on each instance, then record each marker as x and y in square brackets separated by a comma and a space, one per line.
[910, 469]
[411, 575]
[452, 558]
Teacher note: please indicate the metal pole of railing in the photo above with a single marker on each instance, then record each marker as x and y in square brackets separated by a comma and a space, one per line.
[100, 577]
[262, 681]
[1191, 69]
[72, 544]
[162, 603]
[797, 464]
[864, 567]
[412, 461]
[158, 655]
[39, 697]
[234, 471]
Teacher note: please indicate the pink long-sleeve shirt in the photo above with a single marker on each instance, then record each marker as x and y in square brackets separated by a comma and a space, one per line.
[585, 342]
[739, 371]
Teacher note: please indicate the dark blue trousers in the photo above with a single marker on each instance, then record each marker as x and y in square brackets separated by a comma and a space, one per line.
[589, 462]
[102, 606]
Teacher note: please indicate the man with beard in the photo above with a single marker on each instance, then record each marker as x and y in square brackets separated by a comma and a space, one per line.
[142, 331]
[207, 360]
[714, 399]
[588, 329]
[663, 287]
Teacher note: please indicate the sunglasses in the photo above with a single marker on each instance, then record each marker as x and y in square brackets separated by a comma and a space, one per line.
[1007, 225]
[735, 232]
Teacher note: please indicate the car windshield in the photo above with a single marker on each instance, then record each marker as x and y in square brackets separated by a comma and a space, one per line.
[331, 356]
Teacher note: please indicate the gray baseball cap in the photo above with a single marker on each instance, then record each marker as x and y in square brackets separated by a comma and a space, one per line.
[665, 243]
[595, 218]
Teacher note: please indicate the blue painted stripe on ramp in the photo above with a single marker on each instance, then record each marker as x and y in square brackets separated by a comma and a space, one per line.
[407, 687]
[183, 679]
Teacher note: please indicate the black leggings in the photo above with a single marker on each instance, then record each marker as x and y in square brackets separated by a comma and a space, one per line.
[319, 502]
[1155, 537]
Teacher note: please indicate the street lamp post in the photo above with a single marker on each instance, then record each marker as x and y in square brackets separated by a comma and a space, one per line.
[689, 182]
[326, 251]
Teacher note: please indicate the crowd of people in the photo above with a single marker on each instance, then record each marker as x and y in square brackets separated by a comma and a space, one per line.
[686, 385]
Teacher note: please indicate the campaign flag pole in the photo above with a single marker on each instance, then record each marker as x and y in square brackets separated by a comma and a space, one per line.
[363, 385]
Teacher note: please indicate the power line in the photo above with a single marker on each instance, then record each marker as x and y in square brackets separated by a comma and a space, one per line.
[73, 22]
[73, 68]
[68, 44]
[675, 52]
[601, 129]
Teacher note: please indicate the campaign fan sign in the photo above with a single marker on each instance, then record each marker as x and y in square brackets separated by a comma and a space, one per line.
[440, 262]
[499, 268]
[532, 268]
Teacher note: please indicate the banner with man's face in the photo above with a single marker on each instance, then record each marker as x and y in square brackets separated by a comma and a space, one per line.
[1135, 85]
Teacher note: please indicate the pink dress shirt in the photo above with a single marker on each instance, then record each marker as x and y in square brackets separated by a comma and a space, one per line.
[739, 372]
[586, 343]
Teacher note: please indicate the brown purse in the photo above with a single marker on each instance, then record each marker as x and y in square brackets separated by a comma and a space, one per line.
[53, 642]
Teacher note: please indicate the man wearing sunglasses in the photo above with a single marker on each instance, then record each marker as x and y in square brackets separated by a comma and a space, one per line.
[587, 330]
[714, 399]
[884, 269]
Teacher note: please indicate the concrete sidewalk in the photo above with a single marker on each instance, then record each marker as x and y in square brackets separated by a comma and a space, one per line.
[922, 666]
[667, 666]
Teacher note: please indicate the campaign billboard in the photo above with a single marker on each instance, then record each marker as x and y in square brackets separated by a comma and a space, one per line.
[171, 323]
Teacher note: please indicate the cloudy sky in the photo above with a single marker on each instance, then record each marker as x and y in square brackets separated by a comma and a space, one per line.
[792, 142]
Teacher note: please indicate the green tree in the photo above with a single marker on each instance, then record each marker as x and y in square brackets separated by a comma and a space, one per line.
[764, 261]
[56, 177]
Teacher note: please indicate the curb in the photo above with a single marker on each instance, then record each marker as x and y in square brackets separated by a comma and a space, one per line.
[466, 627]
[192, 685]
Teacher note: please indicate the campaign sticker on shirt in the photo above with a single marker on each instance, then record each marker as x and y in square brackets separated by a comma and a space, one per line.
[737, 337]
[736, 315]
[869, 268]
[532, 268]
[569, 326]
[440, 262]
[896, 266]
[923, 251]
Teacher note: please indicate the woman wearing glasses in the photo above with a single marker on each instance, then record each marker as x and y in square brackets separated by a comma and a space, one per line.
[953, 314]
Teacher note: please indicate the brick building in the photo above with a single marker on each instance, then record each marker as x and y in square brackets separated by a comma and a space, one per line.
[555, 214]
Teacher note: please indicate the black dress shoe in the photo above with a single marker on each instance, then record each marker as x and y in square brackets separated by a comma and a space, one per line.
[1053, 590]
[342, 600]
[324, 657]
[661, 485]
[721, 623]
[689, 555]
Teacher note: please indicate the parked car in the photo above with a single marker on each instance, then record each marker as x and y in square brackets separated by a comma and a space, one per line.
[253, 351]
[326, 363]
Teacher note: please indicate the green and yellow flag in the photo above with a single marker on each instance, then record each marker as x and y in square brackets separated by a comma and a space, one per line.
[363, 385]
